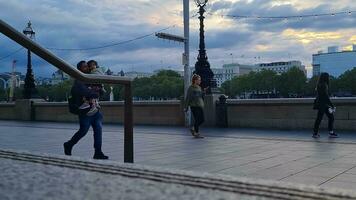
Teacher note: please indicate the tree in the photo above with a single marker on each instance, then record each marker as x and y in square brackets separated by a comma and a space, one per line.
[347, 81]
[292, 82]
[166, 84]
[310, 90]
[58, 93]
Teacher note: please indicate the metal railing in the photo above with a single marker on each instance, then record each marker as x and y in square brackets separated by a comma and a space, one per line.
[24, 41]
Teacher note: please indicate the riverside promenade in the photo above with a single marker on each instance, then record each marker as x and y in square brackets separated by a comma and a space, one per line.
[283, 156]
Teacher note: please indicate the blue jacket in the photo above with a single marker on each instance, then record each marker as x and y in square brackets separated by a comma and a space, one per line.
[80, 90]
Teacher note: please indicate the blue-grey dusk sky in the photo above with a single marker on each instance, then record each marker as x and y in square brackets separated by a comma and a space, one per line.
[89, 23]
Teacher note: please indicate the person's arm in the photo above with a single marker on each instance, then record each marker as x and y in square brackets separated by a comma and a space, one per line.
[324, 94]
[84, 91]
[187, 99]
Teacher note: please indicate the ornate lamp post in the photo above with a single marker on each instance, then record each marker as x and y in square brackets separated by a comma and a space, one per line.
[202, 66]
[29, 87]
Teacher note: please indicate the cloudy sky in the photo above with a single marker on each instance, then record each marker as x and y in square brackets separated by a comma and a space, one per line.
[84, 24]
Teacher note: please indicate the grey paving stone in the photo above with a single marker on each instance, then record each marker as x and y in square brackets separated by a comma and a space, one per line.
[267, 154]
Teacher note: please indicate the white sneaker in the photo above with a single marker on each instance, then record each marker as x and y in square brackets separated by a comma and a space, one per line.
[92, 111]
[84, 106]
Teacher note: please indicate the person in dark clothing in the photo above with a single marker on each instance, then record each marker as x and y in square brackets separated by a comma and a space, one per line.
[79, 92]
[324, 106]
[194, 100]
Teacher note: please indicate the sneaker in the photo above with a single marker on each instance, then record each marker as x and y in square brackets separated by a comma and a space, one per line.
[197, 135]
[84, 106]
[92, 111]
[192, 131]
[98, 106]
[100, 156]
[67, 149]
[333, 135]
[316, 135]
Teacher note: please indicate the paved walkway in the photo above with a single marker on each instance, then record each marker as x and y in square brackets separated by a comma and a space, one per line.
[290, 156]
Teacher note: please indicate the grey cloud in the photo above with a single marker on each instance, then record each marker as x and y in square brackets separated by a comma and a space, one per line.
[264, 8]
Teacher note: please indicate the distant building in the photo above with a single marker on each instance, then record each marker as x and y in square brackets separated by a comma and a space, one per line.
[229, 71]
[43, 81]
[134, 74]
[5, 79]
[109, 72]
[334, 62]
[281, 67]
[58, 77]
[121, 73]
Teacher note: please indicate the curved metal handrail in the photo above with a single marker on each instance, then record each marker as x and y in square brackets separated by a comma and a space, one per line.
[24, 41]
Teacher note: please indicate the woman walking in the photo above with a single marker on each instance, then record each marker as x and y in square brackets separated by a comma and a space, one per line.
[194, 100]
[323, 104]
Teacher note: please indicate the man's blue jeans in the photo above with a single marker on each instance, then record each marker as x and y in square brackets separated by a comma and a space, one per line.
[85, 122]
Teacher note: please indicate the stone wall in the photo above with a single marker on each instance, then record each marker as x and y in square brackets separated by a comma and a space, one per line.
[7, 111]
[145, 113]
[261, 113]
[288, 113]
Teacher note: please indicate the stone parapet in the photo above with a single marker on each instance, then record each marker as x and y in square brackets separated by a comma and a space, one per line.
[288, 113]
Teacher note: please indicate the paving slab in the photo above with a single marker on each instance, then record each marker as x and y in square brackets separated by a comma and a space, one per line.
[288, 156]
[26, 175]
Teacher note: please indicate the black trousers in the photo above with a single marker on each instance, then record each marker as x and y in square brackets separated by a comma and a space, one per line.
[319, 117]
[198, 115]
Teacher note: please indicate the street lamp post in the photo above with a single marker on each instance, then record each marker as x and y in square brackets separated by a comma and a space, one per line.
[29, 87]
[202, 66]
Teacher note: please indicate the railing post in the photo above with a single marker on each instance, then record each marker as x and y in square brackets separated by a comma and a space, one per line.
[128, 123]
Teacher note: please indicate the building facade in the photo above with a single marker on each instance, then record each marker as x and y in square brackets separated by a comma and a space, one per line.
[229, 71]
[57, 77]
[6, 80]
[334, 62]
[281, 67]
[134, 74]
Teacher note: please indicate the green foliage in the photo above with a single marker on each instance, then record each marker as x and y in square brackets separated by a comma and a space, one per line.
[3, 95]
[166, 84]
[267, 81]
[58, 93]
[310, 88]
[263, 81]
[292, 82]
[347, 81]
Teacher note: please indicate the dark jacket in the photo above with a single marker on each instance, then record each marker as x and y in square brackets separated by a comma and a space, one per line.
[80, 90]
[323, 100]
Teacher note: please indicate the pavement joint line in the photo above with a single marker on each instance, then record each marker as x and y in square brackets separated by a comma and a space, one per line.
[293, 174]
[330, 179]
[207, 135]
[301, 158]
[230, 159]
[235, 186]
[217, 155]
[337, 175]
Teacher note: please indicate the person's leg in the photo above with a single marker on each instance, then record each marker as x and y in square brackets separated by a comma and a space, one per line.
[96, 123]
[195, 113]
[199, 121]
[84, 125]
[201, 116]
[331, 121]
[331, 125]
[318, 121]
